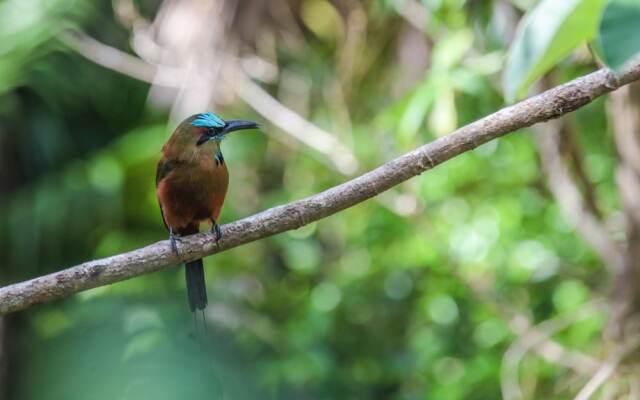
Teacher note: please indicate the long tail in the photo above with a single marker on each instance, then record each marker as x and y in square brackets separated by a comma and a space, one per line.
[196, 287]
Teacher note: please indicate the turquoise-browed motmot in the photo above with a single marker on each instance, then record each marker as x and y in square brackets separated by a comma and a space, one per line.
[191, 184]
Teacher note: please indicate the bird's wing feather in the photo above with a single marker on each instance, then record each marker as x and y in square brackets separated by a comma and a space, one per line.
[163, 169]
[162, 214]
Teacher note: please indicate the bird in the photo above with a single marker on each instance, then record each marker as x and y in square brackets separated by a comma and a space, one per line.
[191, 185]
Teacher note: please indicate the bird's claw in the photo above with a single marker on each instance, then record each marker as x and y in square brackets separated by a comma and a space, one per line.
[174, 242]
[215, 229]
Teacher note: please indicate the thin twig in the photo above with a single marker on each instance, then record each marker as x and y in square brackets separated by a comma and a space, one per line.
[545, 106]
[538, 338]
[575, 155]
[296, 126]
[119, 61]
[570, 199]
[607, 369]
[413, 12]
[543, 345]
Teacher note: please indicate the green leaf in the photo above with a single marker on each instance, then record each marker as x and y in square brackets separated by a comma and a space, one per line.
[619, 32]
[412, 111]
[545, 36]
[444, 117]
[416, 109]
[450, 51]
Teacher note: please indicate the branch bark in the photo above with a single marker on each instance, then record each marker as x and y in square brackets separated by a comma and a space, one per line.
[543, 107]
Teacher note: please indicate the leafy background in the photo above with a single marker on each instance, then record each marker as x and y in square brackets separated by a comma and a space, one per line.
[426, 292]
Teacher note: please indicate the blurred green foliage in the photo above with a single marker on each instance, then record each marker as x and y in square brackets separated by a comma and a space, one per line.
[369, 303]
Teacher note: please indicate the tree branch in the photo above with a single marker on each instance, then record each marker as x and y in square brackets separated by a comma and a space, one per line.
[545, 106]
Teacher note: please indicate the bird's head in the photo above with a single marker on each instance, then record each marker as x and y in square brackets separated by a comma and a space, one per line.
[210, 127]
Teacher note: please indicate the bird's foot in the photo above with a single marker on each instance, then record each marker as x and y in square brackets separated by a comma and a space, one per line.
[174, 242]
[215, 229]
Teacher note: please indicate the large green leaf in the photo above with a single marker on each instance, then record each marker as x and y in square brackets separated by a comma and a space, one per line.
[619, 32]
[545, 36]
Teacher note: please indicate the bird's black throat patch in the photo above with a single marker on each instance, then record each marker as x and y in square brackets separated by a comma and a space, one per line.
[219, 158]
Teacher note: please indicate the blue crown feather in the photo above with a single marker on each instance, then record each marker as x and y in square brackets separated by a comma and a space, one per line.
[208, 120]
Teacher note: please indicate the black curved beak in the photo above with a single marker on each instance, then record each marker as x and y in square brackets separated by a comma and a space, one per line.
[230, 126]
[237, 125]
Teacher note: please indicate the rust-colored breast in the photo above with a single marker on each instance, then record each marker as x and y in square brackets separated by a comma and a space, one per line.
[192, 193]
[221, 183]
